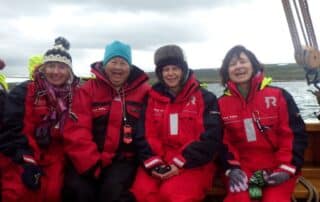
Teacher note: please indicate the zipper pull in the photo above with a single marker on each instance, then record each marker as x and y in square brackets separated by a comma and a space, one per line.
[127, 134]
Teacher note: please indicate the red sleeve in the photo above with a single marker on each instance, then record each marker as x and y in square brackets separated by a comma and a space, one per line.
[231, 154]
[78, 139]
[147, 138]
[291, 136]
[153, 130]
[29, 122]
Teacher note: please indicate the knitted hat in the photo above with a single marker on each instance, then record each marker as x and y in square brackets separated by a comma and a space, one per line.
[59, 52]
[2, 64]
[170, 55]
[3, 83]
[34, 61]
[117, 49]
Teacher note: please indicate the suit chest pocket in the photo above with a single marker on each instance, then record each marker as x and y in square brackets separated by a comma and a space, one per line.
[188, 124]
[235, 130]
[100, 110]
[134, 110]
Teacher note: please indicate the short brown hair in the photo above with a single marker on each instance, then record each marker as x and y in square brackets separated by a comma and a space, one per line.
[235, 52]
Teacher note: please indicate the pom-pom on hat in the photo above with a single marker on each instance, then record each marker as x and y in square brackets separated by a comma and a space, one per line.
[117, 49]
[170, 55]
[59, 52]
[2, 64]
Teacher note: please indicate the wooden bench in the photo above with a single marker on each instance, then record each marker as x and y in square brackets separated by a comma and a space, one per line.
[310, 171]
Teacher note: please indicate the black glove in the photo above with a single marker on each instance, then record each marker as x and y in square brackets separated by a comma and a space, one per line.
[42, 135]
[31, 176]
[238, 180]
[161, 169]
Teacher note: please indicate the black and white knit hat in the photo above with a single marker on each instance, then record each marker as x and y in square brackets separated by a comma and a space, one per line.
[59, 52]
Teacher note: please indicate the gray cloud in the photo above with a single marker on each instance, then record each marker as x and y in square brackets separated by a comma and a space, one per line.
[170, 21]
[141, 35]
[42, 7]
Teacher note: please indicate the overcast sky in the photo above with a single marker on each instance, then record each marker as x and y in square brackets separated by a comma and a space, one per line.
[205, 29]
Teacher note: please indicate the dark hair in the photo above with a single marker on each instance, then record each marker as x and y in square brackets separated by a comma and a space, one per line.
[235, 52]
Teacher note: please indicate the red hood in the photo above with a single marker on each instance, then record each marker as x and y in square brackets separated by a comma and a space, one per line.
[254, 85]
[136, 76]
[161, 92]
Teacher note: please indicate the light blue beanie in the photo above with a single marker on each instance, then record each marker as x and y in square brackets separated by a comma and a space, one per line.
[117, 49]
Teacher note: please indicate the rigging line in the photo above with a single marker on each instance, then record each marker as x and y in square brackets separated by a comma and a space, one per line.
[292, 26]
[308, 23]
[303, 29]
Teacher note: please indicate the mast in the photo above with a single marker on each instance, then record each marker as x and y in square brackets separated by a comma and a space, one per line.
[307, 55]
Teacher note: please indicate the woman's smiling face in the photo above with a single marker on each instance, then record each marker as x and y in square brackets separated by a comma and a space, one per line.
[240, 69]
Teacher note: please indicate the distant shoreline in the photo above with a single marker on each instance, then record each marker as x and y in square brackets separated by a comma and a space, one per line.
[278, 73]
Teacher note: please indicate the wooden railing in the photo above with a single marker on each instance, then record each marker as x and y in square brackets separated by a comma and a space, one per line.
[311, 169]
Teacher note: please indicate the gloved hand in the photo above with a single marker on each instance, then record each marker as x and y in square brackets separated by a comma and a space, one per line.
[238, 180]
[277, 177]
[256, 183]
[31, 175]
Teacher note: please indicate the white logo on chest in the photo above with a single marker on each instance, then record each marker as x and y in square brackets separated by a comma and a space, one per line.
[270, 101]
[192, 101]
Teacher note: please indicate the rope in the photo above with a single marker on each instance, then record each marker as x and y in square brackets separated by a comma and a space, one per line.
[292, 25]
[303, 30]
[308, 23]
[313, 192]
[306, 56]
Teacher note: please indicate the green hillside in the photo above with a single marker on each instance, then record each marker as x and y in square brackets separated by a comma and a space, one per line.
[278, 72]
